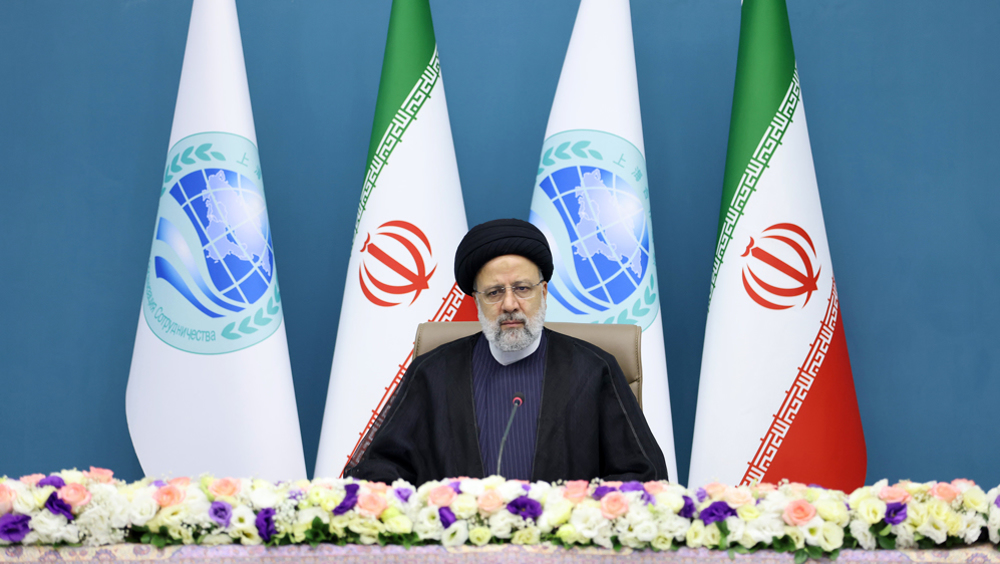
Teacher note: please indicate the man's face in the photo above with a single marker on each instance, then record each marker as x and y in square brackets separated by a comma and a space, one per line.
[513, 323]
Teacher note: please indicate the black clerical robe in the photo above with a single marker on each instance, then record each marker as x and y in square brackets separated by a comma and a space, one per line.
[589, 423]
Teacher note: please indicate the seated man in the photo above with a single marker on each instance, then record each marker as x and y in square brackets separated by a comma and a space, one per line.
[453, 413]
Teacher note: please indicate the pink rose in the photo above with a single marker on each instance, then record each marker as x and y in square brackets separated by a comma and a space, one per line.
[962, 484]
[737, 497]
[489, 501]
[372, 504]
[181, 482]
[377, 487]
[798, 488]
[100, 475]
[653, 488]
[765, 488]
[74, 494]
[612, 484]
[576, 490]
[169, 495]
[798, 512]
[442, 496]
[894, 494]
[614, 505]
[7, 496]
[225, 487]
[944, 491]
[31, 479]
[715, 490]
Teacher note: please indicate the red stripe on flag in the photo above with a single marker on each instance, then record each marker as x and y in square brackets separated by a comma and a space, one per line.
[816, 437]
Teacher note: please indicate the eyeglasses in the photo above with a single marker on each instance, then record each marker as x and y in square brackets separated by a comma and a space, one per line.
[521, 291]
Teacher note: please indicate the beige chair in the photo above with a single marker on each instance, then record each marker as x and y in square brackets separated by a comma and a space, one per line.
[622, 341]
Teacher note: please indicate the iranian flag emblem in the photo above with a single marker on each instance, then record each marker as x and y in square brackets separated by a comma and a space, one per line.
[776, 398]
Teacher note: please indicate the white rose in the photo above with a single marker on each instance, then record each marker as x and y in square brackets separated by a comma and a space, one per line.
[539, 490]
[502, 523]
[973, 524]
[24, 501]
[142, 509]
[904, 536]
[510, 491]
[695, 536]
[456, 534]
[765, 529]
[646, 531]
[263, 495]
[428, 524]
[472, 486]
[464, 506]
[796, 535]
[73, 476]
[674, 527]
[934, 529]
[53, 529]
[216, 539]
[813, 531]
[587, 520]
[713, 536]
[862, 532]
[669, 501]
[831, 537]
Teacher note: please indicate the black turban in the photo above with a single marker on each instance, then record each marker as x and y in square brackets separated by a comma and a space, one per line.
[499, 237]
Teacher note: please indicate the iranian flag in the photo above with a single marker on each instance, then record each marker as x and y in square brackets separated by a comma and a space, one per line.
[776, 397]
[210, 386]
[591, 199]
[410, 221]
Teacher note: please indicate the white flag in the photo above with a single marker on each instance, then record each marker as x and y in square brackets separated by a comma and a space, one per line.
[410, 221]
[592, 199]
[210, 387]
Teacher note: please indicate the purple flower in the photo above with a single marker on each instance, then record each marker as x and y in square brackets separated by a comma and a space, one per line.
[59, 507]
[996, 502]
[350, 500]
[52, 480]
[456, 486]
[895, 513]
[447, 517]
[159, 483]
[13, 528]
[220, 512]
[702, 494]
[404, 494]
[526, 487]
[296, 494]
[265, 524]
[602, 491]
[647, 499]
[687, 511]
[717, 511]
[632, 487]
[525, 507]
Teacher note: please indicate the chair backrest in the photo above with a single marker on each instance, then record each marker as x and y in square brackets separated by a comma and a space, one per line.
[622, 341]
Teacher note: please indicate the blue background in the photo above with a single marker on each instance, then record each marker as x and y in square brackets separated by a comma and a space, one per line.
[905, 129]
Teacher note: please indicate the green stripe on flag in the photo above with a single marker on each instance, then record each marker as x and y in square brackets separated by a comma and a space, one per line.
[410, 69]
[766, 82]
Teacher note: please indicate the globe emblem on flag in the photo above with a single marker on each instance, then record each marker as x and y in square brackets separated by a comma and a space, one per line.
[608, 233]
[780, 267]
[229, 215]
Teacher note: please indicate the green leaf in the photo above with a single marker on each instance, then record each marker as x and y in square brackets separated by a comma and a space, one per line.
[885, 530]
[650, 295]
[186, 156]
[174, 167]
[801, 556]
[259, 318]
[639, 311]
[578, 149]
[732, 553]
[561, 151]
[888, 543]
[814, 552]
[546, 158]
[624, 318]
[218, 155]
[228, 332]
[595, 154]
[834, 554]
[245, 326]
[541, 170]
[201, 152]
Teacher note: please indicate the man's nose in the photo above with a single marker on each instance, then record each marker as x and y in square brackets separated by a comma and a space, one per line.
[510, 303]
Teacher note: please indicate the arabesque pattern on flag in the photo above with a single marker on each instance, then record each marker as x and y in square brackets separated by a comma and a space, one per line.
[776, 397]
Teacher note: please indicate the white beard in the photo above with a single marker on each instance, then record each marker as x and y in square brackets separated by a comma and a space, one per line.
[511, 340]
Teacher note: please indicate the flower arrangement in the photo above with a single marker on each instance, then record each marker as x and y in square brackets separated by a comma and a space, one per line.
[94, 508]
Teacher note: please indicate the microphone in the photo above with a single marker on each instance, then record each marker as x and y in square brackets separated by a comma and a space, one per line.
[517, 400]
